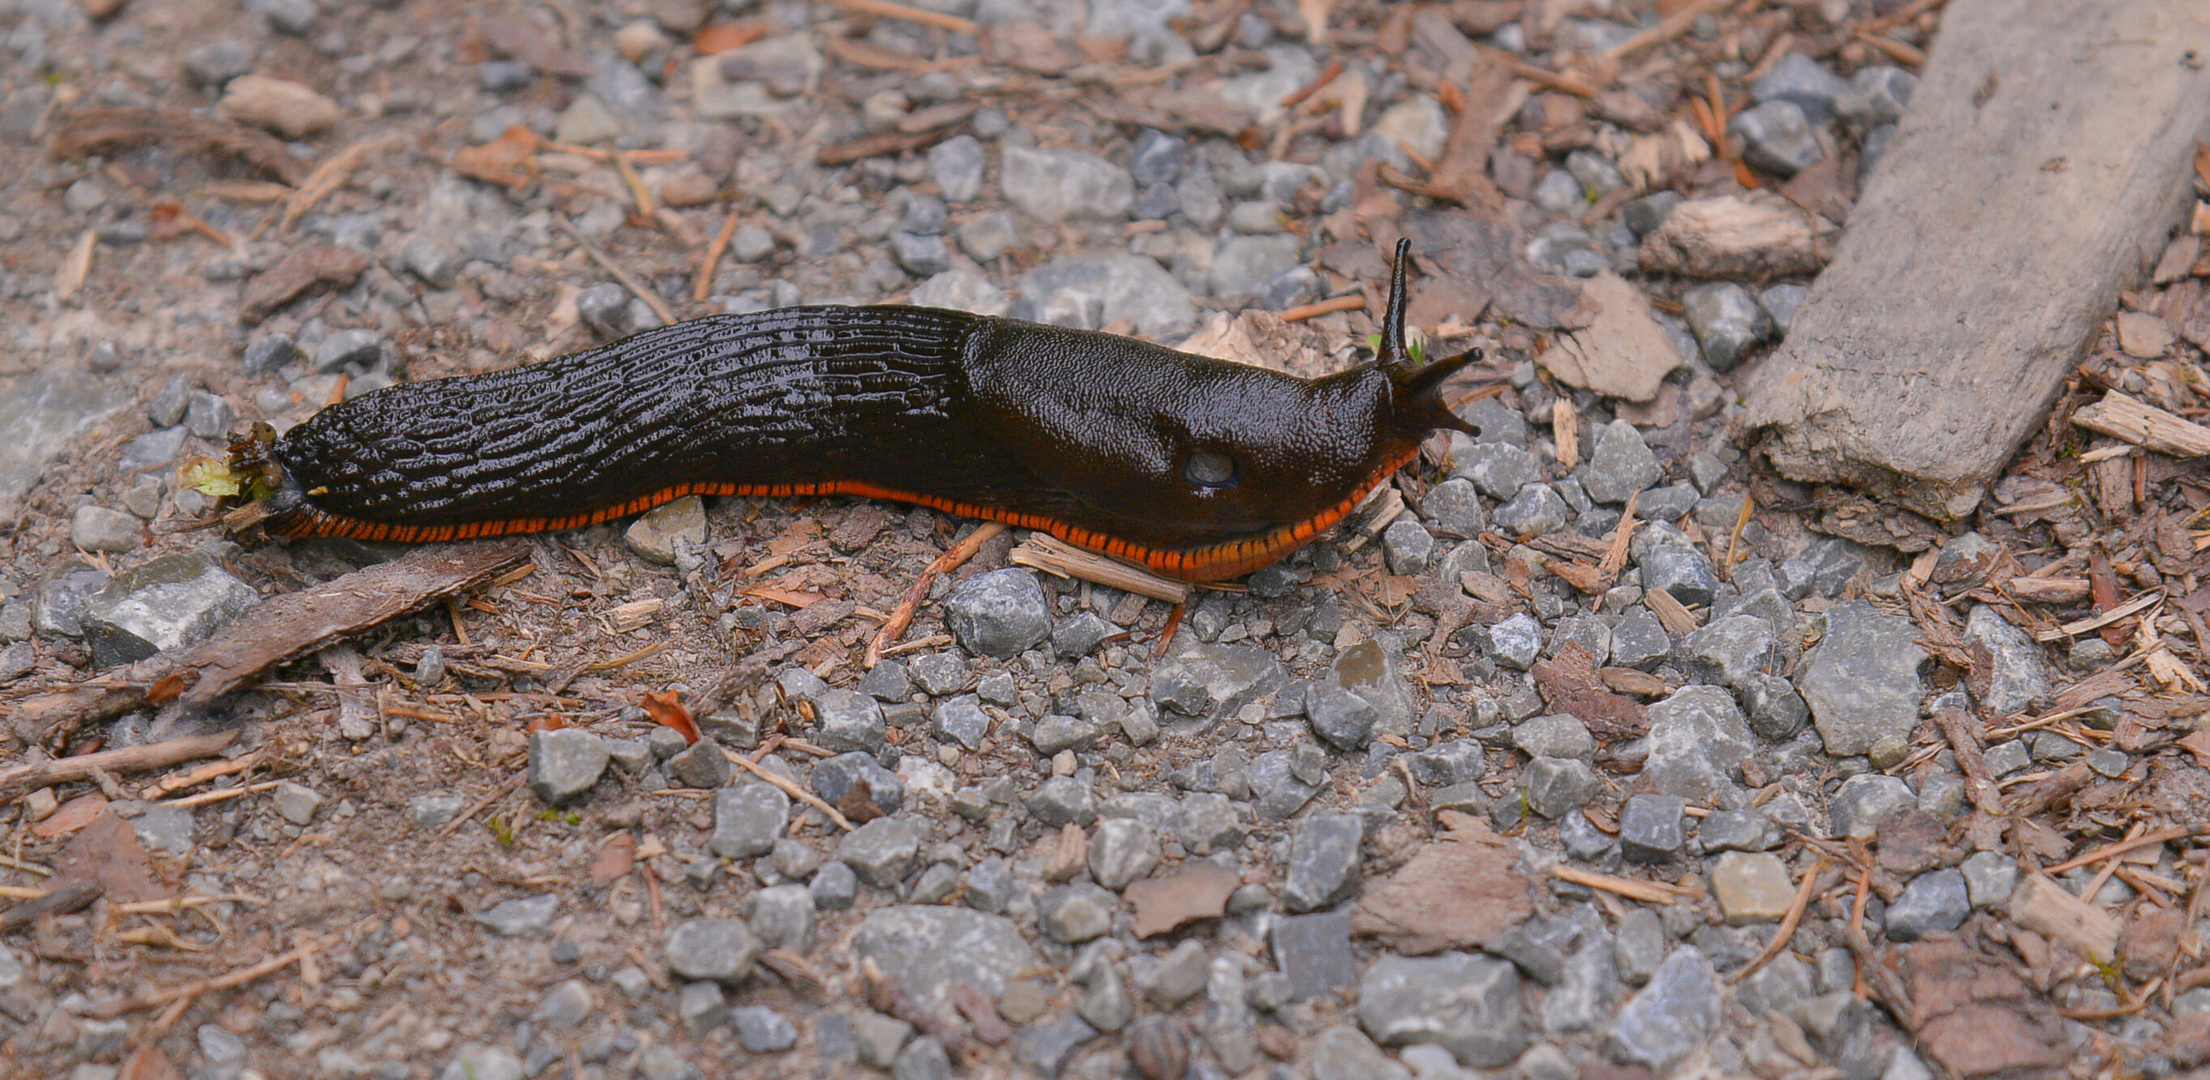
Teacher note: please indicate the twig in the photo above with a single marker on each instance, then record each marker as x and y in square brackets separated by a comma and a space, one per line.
[1319, 83]
[221, 794]
[902, 616]
[648, 651]
[888, 10]
[1788, 922]
[636, 185]
[327, 178]
[711, 264]
[2075, 629]
[127, 759]
[1741, 522]
[1896, 50]
[2123, 846]
[1622, 537]
[1649, 892]
[1353, 302]
[218, 983]
[500, 792]
[621, 275]
[1057, 557]
[179, 781]
[789, 788]
[1667, 29]
[1978, 784]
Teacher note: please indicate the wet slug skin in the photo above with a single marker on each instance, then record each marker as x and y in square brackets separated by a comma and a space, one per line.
[1199, 469]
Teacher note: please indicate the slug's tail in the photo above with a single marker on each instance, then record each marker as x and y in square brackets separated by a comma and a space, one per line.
[1419, 390]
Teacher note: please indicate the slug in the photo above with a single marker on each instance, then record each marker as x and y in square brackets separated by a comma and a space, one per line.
[1198, 469]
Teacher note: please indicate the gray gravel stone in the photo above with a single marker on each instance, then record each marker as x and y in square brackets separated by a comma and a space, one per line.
[1208, 822]
[1862, 800]
[1876, 96]
[1282, 781]
[1072, 914]
[1726, 321]
[1737, 830]
[879, 1038]
[1651, 828]
[1323, 861]
[1208, 682]
[1061, 801]
[1775, 710]
[2020, 673]
[1055, 733]
[1932, 902]
[1517, 641]
[1989, 877]
[474, 1061]
[1586, 991]
[1822, 568]
[660, 534]
[1779, 303]
[922, 1059]
[1105, 288]
[1453, 761]
[167, 603]
[962, 290]
[781, 916]
[210, 416]
[1243, 265]
[1698, 740]
[357, 347]
[957, 164]
[939, 673]
[711, 949]
[97, 528]
[1059, 185]
[514, 918]
[845, 721]
[961, 720]
[748, 819]
[1639, 640]
[882, 851]
[700, 765]
[833, 887]
[1557, 735]
[1681, 570]
[1729, 650]
[1408, 546]
[1048, 1045]
[1861, 679]
[1312, 951]
[1080, 634]
[1777, 137]
[762, 1030]
[1342, 1052]
[1805, 81]
[1639, 947]
[165, 830]
[1121, 851]
[1671, 1016]
[1497, 469]
[1558, 786]
[1645, 214]
[1621, 466]
[998, 614]
[296, 802]
[1468, 1004]
[564, 763]
[834, 778]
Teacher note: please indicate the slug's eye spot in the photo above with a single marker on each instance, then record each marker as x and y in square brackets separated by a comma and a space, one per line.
[1208, 469]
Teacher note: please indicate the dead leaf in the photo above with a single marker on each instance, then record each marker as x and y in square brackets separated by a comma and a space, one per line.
[1199, 890]
[73, 815]
[1465, 246]
[509, 159]
[1623, 352]
[1570, 683]
[615, 859]
[1460, 891]
[722, 37]
[107, 853]
[667, 711]
[149, 1063]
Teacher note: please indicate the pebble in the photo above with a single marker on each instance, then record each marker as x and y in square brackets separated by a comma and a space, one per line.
[1876, 96]
[715, 949]
[701, 765]
[478, 1062]
[882, 851]
[1467, 1004]
[1729, 650]
[749, 817]
[762, 1030]
[1557, 735]
[356, 347]
[1751, 887]
[929, 949]
[1342, 1052]
[1675, 1013]
[1737, 830]
[1858, 805]
[2018, 674]
[1243, 265]
[1498, 470]
[1798, 78]
[1323, 861]
[1047, 1045]
[1989, 877]
[1062, 800]
[287, 108]
[833, 887]
[1537, 510]
[526, 915]
[170, 602]
[97, 528]
[1935, 901]
[957, 165]
[1861, 680]
[1455, 507]
[1122, 851]
[1727, 322]
[1779, 303]
[1060, 185]
[985, 237]
[1651, 828]
[564, 763]
[880, 1038]
[1643, 215]
[701, 1007]
[1558, 786]
[1208, 822]
[659, 535]
[1777, 137]
[216, 63]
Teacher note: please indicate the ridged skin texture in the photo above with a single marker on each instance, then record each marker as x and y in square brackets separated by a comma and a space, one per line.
[1090, 430]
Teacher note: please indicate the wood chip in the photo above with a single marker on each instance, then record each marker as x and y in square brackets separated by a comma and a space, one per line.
[1672, 613]
[76, 266]
[309, 269]
[2144, 425]
[2042, 905]
[1460, 892]
[1048, 553]
[1199, 890]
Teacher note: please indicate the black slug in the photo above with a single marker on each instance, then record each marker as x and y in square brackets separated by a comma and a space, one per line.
[1199, 469]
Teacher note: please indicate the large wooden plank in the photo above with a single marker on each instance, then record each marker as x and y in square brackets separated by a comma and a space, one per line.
[2043, 162]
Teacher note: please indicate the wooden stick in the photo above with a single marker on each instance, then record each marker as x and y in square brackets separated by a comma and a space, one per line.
[2145, 426]
[1788, 922]
[222, 794]
[327, 178]
[1896, 50]
[711, 264]
[1352, 302]
[179, 781]
[1668, 28]
[1622, 536]
[636, 185]
[1675, 615]
[1057, 557]
[2075, 629]
[1565, 432]
[894, 627]
[621, 275]
[1741, 522]
[1978, 785]
[2123, 846]
[1649, 892]
[128, 759]
[239, 977]
[888, 10]
[1319, 83]
[789, 788]
[500, 792]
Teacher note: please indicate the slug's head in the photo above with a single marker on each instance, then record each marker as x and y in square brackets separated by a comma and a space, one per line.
[1416, 400]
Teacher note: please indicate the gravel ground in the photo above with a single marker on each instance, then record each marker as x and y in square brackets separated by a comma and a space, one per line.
[1517, 775]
